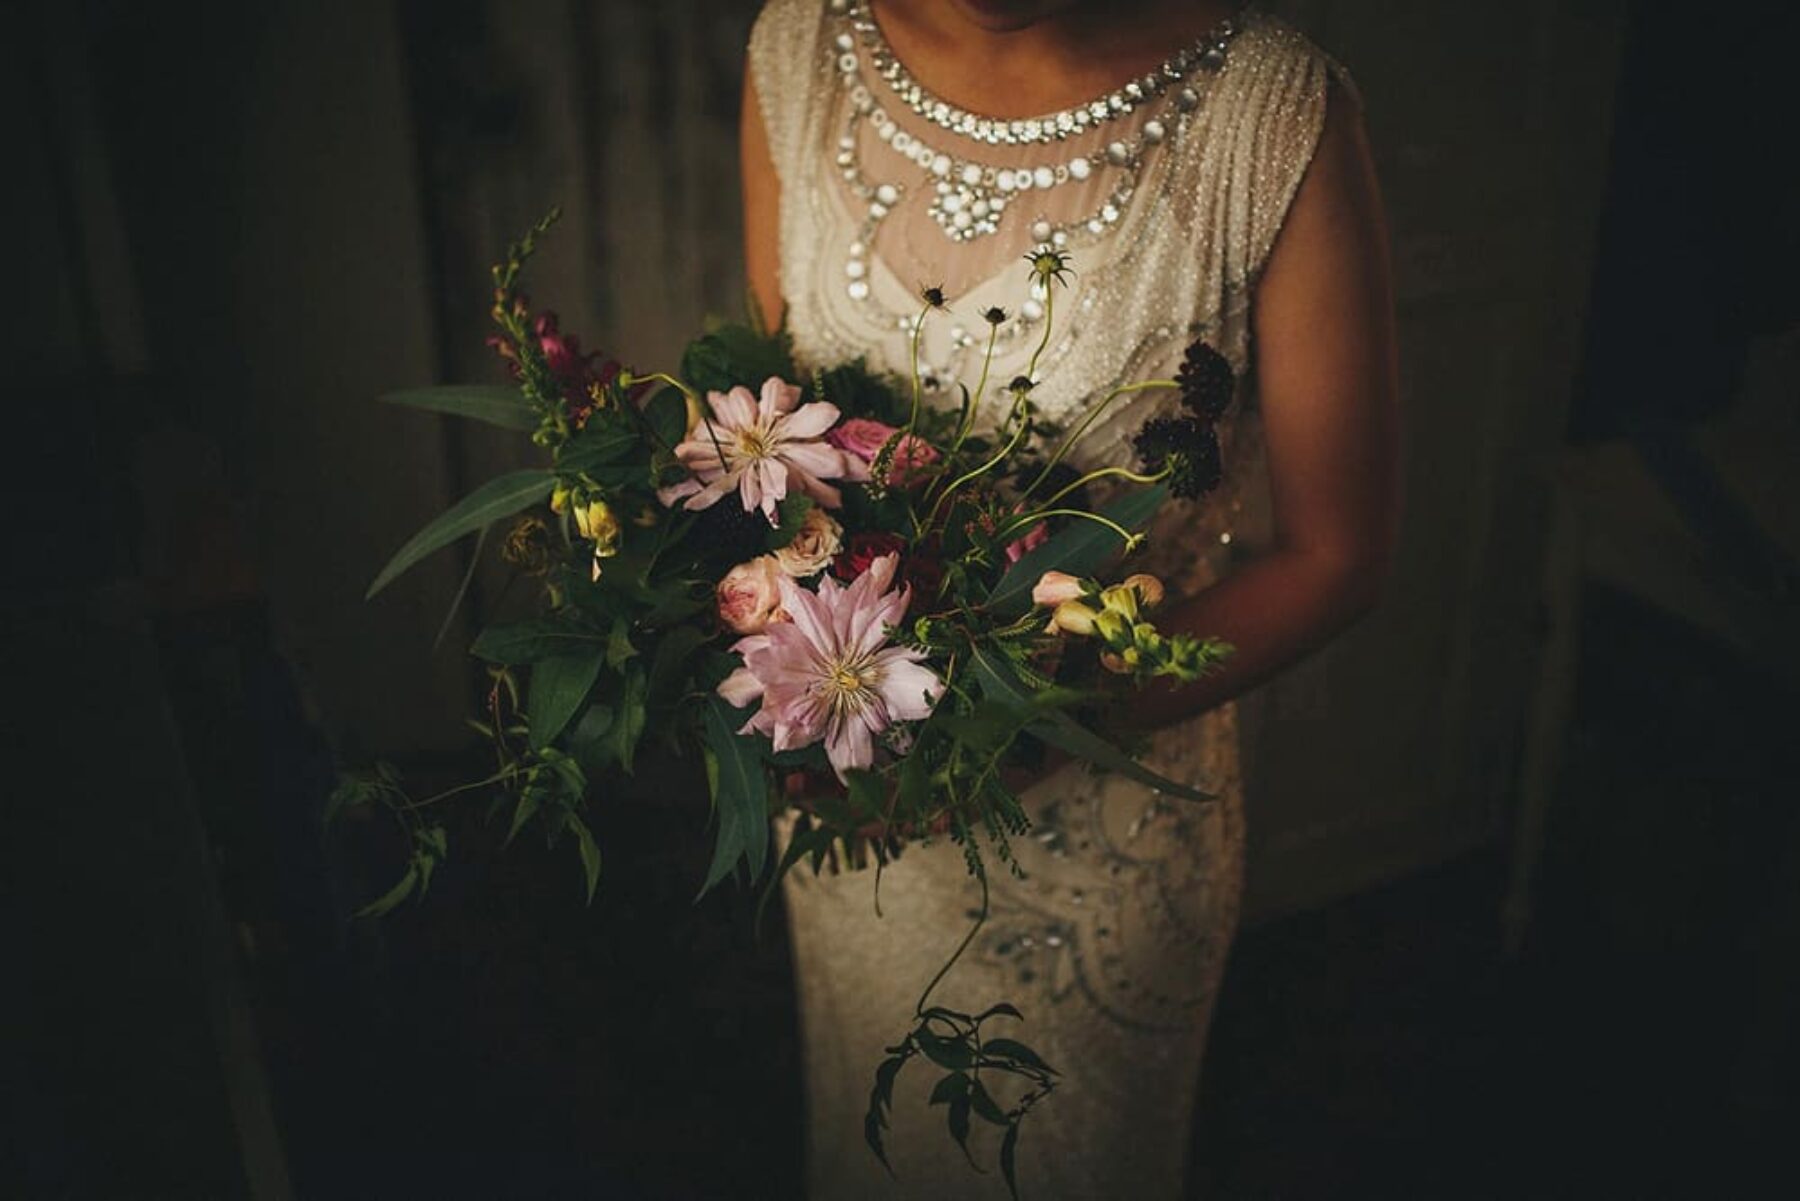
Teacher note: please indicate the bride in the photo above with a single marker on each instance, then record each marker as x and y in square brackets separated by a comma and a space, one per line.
[1206, 173]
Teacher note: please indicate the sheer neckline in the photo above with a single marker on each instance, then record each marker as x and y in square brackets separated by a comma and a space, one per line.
[1205, 51]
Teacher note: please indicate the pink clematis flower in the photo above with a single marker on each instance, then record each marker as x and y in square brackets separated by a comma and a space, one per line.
[761, 449]
[828, 674]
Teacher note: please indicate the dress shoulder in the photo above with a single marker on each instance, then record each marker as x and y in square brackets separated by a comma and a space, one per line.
[1266, 117]
[784, 62]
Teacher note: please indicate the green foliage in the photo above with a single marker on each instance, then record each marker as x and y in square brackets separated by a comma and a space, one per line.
[430, 845]
[955, 1041]
[559, 685]
[523, 642]
[492, 501]
[730, 356]
[666, 416]
[630, 717]
[740, 792]
[1001, 684]
[493, 404]
[792, 511]
[1081, 549]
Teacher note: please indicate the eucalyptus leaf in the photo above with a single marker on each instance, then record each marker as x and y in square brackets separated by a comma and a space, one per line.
[740, 795]
[492, 501]
[496, 405]
[792, 510]
[959, 1123]
[1009, 1156]
[608, 438]
[733, 355]
[666, 415]
[1018, 1052]
[945, 1052]
[393, 896]
[591, 741]
[618, 646]
[1081, 548]
[670, 662]
[523, 812]
[590, 854]
[559, 685]
[952, 1084]
[630, 716]
[985, 1105]
[528, 641]
[999, 683]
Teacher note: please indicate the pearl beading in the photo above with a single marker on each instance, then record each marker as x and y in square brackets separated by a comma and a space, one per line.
[969, 198]
[1207, 54]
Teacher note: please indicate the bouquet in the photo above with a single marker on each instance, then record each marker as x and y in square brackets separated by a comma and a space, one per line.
[853, 605]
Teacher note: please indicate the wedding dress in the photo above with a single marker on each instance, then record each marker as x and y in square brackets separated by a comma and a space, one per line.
[1166, 195]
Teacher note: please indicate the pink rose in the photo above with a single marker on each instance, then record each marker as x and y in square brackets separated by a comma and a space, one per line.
[749, 597]
[864, 438]
[1055, 587]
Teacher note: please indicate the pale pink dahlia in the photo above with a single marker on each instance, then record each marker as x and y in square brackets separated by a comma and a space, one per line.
[828, 674]
[762, 449]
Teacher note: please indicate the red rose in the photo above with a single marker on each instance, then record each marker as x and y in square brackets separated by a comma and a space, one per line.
[863, 550]
[925, 574]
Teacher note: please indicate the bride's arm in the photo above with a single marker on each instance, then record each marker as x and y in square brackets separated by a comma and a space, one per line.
[1325, 368]
[762, 198]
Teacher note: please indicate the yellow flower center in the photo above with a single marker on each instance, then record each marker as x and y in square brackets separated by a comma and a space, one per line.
[753, 444]
[849, 685]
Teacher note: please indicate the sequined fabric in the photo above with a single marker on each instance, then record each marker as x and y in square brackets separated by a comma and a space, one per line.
[1114, 940]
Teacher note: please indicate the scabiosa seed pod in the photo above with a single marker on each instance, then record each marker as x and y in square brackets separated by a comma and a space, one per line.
[1206, 380]
[729, 529]
[1187, 447]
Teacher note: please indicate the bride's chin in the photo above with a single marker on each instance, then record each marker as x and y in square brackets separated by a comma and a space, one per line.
[1006, 16]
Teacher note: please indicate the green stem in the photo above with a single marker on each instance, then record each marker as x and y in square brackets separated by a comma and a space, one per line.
[918, 386]
[1099, 473]
[1049, 319]
[461, 788]
[967, 425]
[1087, 420]
[968, 938]
[1029, 519]
[999, 457]
[685, 389]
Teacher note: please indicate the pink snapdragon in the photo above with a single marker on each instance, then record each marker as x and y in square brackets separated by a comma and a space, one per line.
[761, 448]
[828, 673]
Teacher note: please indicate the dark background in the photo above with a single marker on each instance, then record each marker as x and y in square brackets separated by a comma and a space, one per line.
[1525, 876]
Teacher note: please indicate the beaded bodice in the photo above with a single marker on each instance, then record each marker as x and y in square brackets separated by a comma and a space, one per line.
[1166, 193]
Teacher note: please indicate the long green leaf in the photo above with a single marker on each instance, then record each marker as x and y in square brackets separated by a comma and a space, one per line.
[1082, 548]
[590, 854]
[493, 500]
[528, 641]
[1000, 684]
[740, 795]
[495, 405]
[399, 892]
[558, 687]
